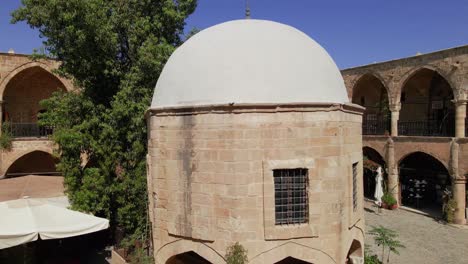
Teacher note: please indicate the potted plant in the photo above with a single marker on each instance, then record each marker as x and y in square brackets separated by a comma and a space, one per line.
[388, 202]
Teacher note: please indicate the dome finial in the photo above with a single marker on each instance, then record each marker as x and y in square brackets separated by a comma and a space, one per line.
[247, 9]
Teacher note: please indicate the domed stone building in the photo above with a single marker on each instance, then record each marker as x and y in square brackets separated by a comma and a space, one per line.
[253, 140]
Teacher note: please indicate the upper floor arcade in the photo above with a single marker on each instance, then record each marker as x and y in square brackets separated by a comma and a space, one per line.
[423, 95]
[23, 84]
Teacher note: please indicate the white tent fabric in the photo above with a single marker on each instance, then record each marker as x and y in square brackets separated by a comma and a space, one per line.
[26, 220]
[378, 186]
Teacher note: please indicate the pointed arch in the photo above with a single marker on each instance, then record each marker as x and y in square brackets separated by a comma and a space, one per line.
[412, 72]
[182, 246]
[370, 75]
[371, 92]
[428, 155]
[291, 260]
[28, 65]
[21, 92]
[424, 179]
[356, 252]
[293, 250]
[373, 155]
[38, 162]
[426, 104]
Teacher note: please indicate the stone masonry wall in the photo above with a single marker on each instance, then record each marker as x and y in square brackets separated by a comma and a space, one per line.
[211, 183]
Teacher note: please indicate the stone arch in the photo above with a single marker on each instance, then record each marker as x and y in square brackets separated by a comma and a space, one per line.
[426, 99]
[26, 66]
[294, 250]
[182, 246]
[423, 182]
[39, 160]
[355, 252]
[371, 92]
[379, 155]
[371, 75]
[412, 72]
[375, 75]
[403, 155]
[370, 166]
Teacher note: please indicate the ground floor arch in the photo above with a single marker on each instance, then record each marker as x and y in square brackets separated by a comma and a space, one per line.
[189, 257]
[372, 160]
[424, 183]
[293, 251]
[355, 254]
[291, 260]
[35, 162]
[183, 250]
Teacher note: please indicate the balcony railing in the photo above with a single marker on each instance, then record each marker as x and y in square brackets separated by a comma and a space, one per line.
[19, 130]
[430, 128]
[375, 127]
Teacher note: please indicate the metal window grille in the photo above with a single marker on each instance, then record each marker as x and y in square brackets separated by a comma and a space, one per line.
[355, 192]
[291, 198]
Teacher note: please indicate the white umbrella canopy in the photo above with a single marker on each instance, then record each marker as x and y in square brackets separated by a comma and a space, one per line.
[26, 220]
[378, 186]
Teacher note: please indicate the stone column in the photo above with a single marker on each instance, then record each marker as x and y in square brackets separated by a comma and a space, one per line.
[395, 116]
[460, 115]
[458, 190]
[458, 183]
[392, 170]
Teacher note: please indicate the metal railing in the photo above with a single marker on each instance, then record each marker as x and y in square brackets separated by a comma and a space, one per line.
[375, 127]
[19, 130]
[430, 128]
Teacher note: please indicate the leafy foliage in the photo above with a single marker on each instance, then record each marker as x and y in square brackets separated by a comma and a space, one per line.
[114, 51]
[449, 210]
[370, 257]
[6, 137]
[388, 239]
[388, 199]
[236, 254]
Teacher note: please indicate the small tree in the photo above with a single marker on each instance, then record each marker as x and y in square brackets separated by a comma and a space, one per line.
[236, 254]
[388, 239]
[6, 137]
[370, 257]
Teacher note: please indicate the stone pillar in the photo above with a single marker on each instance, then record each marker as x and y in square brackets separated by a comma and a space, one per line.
[458, 190]
[458, 183]
[392, 170]
[460, 115]
[395, 116]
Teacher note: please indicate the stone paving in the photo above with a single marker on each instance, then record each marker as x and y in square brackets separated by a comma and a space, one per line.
[427, 240]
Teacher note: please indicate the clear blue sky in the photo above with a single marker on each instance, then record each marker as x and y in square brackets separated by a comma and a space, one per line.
[354, 32]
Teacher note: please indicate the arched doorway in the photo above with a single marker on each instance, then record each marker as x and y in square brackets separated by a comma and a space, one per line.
[370, 92]
[372, 160]
[36, 163]
[291, 260]
[21, 100]
[423, 181]
[189, 257]
[426, 106]
[355, 253]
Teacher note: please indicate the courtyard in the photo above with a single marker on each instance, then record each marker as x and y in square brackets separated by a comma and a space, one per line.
[427, 240]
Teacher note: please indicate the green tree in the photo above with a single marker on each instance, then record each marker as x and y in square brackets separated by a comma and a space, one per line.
[388, 239]
[114, 51]
[236, 254]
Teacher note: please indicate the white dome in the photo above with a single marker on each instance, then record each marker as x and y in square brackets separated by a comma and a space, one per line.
[249, 62]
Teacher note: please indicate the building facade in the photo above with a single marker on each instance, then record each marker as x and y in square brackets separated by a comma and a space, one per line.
[23, 84]
[252, 139]
[414, 126]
